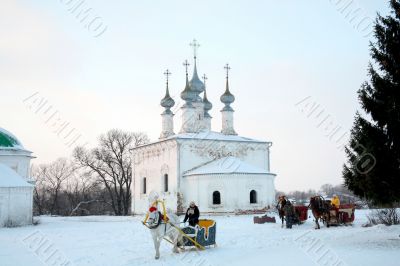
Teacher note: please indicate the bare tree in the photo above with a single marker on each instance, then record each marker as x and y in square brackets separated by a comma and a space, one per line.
[39, 193]
[111, 164]
[327, 189]
[50, 179]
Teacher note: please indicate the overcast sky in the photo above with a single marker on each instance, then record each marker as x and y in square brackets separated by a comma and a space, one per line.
[287, 58]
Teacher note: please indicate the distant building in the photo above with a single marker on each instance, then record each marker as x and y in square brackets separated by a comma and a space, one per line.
[220, 171]
[16, 193]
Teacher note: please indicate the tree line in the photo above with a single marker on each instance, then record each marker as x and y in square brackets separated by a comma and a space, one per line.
[92, 182]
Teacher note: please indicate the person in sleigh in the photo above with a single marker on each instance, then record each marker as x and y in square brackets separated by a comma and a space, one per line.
[192, 214]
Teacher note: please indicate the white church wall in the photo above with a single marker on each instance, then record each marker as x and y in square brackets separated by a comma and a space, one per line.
[153, 162]
[197, 152]
[19, 163]
[234, 191]
[16, 206]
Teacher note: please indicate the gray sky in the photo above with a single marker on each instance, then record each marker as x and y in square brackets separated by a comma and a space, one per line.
[104, 68]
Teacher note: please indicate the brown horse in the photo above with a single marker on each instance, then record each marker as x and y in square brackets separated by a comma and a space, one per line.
[281, 211]
[320, 209]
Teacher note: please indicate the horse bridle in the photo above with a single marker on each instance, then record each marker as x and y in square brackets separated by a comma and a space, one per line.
[156, 221]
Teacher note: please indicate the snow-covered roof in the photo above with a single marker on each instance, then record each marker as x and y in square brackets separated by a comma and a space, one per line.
[9, 141]
[226, 165]
[10, 178]
[212, 135]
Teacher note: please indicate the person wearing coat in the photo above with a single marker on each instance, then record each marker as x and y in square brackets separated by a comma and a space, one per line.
[192, 214]
[335, 201]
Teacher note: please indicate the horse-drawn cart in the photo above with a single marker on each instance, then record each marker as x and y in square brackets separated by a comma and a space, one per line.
[301, 213]
[165, 225]
[292, 215]
[344, 215]
[330, 215]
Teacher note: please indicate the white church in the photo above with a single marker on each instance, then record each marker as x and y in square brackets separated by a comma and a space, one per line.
[16, 188]
[221, 172]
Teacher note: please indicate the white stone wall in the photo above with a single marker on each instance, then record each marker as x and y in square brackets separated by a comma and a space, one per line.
[167, 126]
[234, 190]
[227, 123]
[16, 206]
[207, 123]
[177, 156]
[188, 119]
[19, 163]
[199, 116]
[153, 162]
[196, 152]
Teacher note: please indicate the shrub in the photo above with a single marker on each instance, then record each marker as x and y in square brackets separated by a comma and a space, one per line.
[384, 216]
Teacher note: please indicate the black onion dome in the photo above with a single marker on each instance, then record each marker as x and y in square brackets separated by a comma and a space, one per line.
[167, 102]
[187, 94]
[196, 85]
[207, 104]
[227, 98]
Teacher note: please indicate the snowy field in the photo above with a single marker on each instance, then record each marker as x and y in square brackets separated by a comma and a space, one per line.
[125, 241]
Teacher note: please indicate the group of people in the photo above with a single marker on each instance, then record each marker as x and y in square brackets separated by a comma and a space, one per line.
[192, 213]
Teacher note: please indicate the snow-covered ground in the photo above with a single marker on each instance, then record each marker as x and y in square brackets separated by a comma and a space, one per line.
[125, 241]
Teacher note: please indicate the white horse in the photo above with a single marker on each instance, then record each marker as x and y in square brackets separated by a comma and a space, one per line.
[160, 230]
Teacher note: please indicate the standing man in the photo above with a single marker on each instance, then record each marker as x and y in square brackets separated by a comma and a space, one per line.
[192, 214]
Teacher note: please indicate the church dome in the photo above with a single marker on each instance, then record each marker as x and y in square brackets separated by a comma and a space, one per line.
[207, 104]
[167, 102]
[196, 85]
[187, 94]
[227, 98]
[8, 140]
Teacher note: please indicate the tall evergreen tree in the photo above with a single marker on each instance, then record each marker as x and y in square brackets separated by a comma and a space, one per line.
[373, 170]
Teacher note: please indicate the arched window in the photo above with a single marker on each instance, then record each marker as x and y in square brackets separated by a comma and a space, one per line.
[216, 198]
[166, 183]
[144, 188]
[253, 197]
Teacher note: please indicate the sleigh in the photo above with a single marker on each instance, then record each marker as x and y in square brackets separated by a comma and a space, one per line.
[302, 213]
[344, 215]
[203, 234]
[263, 219]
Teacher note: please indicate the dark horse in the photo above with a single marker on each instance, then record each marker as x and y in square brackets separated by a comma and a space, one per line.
[320, 209]
[281, 211]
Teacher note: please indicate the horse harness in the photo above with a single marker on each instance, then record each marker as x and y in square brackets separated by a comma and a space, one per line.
[156, 219]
